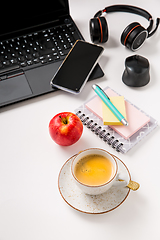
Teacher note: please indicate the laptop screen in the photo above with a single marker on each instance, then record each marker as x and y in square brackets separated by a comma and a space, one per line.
[16, 15]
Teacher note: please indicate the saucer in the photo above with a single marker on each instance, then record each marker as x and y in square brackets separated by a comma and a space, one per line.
[92, 204]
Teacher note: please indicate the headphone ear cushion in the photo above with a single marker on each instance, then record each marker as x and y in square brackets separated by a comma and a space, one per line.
[133, 36]
[94, 30]
[98, 30]
[104, 34]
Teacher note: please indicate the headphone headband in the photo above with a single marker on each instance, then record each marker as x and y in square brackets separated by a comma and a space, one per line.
[129, 9]
[125, 8]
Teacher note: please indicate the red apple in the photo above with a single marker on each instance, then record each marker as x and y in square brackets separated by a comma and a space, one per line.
[65, 128]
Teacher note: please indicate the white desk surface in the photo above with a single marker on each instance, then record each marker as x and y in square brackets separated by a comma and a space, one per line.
[31, 206]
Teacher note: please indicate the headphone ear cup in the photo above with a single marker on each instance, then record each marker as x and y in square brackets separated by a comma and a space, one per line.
[134, 36]
[98, 30]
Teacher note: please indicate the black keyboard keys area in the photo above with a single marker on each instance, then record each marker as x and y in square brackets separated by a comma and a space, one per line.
[39, 47]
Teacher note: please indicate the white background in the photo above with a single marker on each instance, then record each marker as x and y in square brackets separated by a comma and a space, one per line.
[30, 204]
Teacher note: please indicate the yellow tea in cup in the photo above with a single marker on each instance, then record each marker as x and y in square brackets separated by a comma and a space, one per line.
[94, 170]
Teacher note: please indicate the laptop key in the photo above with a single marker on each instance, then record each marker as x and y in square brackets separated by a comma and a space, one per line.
[56, 57]
[29, 62]
[28, 56]
[6, 63]
[43, 52]
[14, 61]
[23, 64]
[21, 59]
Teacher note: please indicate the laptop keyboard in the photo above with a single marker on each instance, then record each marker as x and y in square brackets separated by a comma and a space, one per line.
[37, 48]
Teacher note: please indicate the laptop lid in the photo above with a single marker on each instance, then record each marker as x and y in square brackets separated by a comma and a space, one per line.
[16, 18]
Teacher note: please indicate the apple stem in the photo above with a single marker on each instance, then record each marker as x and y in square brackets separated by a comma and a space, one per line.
[63, 120]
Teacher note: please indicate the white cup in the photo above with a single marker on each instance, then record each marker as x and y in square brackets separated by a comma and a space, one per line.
[99, 189]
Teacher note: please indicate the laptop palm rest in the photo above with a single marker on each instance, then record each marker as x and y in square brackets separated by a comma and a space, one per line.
[14, 88]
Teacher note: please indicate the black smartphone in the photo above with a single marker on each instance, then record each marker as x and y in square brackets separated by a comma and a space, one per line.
[77, 67]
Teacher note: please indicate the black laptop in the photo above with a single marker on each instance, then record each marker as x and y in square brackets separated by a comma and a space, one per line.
[34, 40]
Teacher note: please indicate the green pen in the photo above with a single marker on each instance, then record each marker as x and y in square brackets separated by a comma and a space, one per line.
[109, 104]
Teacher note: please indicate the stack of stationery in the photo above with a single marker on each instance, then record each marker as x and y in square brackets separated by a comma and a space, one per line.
[114, 112]
[121, 138]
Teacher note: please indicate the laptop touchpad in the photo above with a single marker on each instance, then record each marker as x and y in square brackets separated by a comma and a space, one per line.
[15, 88]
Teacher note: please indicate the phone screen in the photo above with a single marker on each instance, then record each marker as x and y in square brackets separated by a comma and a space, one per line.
[77, 66]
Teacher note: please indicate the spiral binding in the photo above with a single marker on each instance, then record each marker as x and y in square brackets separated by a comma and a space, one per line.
[105, 136]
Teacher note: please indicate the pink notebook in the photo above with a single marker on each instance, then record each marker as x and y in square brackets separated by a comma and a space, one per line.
[135, 117]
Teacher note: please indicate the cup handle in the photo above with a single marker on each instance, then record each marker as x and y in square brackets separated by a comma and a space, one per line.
[121, 180]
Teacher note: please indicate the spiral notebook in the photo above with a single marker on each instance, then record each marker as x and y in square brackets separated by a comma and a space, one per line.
[118, 137]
